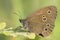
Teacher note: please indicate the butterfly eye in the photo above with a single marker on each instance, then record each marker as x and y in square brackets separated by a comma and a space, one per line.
[48, 11]
[48, 25]
[45, 29]
[43, 16]
[44, 19]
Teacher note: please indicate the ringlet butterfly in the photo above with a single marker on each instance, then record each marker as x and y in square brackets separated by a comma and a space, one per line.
[41, 22]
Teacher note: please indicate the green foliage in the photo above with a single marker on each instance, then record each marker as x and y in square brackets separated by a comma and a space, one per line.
[2, 37]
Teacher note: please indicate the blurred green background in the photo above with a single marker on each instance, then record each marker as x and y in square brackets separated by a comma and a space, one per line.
[25, 7]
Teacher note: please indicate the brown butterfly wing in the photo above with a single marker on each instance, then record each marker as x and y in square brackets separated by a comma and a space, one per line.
[42, 22]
